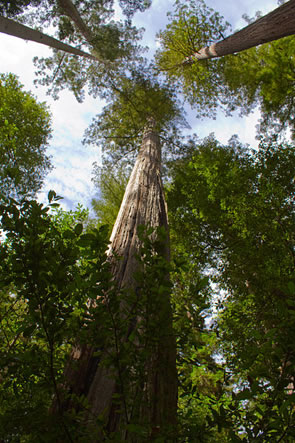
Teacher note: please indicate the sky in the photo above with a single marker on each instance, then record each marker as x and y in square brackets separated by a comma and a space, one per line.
[71, 176]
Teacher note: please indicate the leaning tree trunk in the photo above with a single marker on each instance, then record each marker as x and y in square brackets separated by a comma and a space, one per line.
[151, 397]
[273, 26]
[72, 12]
[11, 27]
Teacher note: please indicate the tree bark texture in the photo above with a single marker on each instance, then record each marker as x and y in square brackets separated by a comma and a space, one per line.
[143, 204]
[273, 26]
[10, 27]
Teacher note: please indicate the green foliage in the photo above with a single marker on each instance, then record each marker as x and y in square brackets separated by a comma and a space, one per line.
[264, 76]
[54, 281]
[49, 269]
[133, 101]
[63, 71]
[238, 207]
[129, 7]
[192, 26]
[200, 378]
[114, 43]
[12, 8]
[111, 184]
[233, 187]
[24, 134]
[232, 219]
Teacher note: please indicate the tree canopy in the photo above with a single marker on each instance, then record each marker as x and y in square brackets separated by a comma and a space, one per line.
[238, 208]
[240, 81]
[132, 101]
[192, 26]
[264, 77]
[12, 8]
[24, 136]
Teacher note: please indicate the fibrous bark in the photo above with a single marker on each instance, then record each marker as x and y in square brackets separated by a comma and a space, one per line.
[273, 26]
[143, 204]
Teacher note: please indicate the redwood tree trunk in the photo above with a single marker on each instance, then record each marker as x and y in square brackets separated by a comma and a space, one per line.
[273, 26]
[156, 386]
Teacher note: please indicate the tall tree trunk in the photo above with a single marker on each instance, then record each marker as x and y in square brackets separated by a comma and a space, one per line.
[72, 12]
[10, 27]
[156, 384]
[273, 26]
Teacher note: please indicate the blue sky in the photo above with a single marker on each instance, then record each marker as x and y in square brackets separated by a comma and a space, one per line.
[71, 177]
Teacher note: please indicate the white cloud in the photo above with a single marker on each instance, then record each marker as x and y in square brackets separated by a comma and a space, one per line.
[72, 180]
[234, 9]
[71, 177]
[225, 127]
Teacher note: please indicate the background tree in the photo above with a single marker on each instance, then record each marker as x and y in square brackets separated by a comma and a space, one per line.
[87, 25]
[24, 135]
[11, 27]
[239, 81]
[193, 25]
[110, 183]
[239, 209]
[264, 77]
[277, 24]
[133, 99]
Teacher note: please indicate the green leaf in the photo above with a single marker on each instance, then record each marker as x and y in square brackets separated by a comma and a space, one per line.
[51, 196]
[79, 229]
[24, 134]
[291, 287]
[244, 395]
[69, 234]
[86, 240]
[28, 331]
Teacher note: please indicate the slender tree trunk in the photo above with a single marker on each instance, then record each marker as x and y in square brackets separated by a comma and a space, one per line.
[273, 26]
[143, 204]
[72, 12]
[10, 27]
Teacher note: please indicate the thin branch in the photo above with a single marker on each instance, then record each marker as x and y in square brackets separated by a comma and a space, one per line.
[58, 68]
